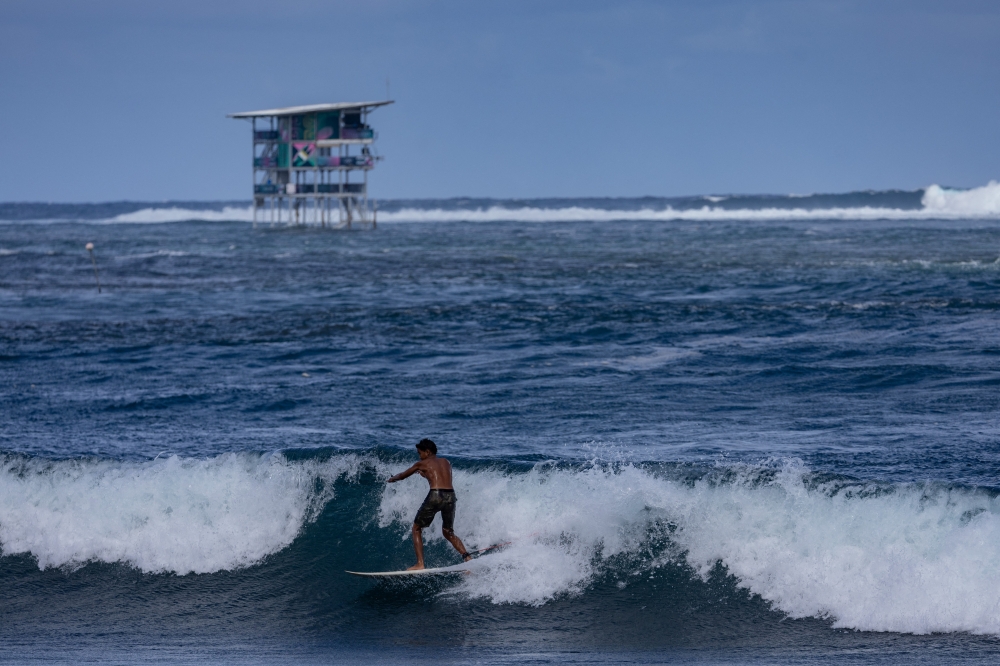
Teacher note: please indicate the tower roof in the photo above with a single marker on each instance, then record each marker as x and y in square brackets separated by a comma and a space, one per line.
[309, 108]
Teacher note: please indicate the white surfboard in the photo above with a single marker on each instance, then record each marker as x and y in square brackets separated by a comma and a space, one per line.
[457, 568]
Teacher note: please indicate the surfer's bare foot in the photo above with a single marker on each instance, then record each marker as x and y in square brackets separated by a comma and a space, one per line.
[466, 557]
[416, 567]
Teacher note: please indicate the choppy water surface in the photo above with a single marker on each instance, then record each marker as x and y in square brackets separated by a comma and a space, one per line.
[709, 437]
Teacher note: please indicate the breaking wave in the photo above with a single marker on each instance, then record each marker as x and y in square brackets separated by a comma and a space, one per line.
[176, 214]
[913, 558]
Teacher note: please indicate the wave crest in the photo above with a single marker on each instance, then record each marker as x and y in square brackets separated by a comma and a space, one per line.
[166, 515]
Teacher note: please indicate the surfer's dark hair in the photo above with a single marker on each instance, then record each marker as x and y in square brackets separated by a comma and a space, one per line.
[427, 445]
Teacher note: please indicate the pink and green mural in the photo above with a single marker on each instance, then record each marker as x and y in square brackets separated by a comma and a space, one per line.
[304, 154]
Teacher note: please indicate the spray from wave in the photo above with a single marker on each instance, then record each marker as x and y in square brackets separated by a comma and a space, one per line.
[980, 201]
[914, 558]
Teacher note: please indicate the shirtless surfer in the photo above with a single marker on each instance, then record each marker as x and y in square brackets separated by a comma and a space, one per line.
[441, 498]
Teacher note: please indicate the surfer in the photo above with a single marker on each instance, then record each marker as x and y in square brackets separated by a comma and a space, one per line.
[441, 498]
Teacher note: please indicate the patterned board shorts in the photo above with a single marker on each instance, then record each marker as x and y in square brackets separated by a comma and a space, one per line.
[437, 500]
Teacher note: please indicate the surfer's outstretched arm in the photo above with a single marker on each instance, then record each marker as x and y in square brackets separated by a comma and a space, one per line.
[402, 475]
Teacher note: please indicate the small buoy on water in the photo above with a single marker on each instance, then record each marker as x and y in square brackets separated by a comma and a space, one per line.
[90, 247]
[305, 374]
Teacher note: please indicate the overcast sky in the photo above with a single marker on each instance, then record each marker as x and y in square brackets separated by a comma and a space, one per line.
[106, 100]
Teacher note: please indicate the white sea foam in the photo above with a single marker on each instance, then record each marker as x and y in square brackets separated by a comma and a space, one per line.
[155, 253]
[911, 558]
[176, 214]
[167, 515]
[668, 214]
[659, 357]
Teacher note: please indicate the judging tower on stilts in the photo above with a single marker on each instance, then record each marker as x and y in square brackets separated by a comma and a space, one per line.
[311, 164]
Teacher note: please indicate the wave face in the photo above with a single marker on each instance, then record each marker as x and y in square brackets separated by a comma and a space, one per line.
[934, 202]
[913, 558]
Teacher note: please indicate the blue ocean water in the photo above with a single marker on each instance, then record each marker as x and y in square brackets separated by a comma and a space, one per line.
[713, 429]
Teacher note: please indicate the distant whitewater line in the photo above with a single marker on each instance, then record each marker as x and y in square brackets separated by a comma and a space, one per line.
[936, 202]
[176, 214]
